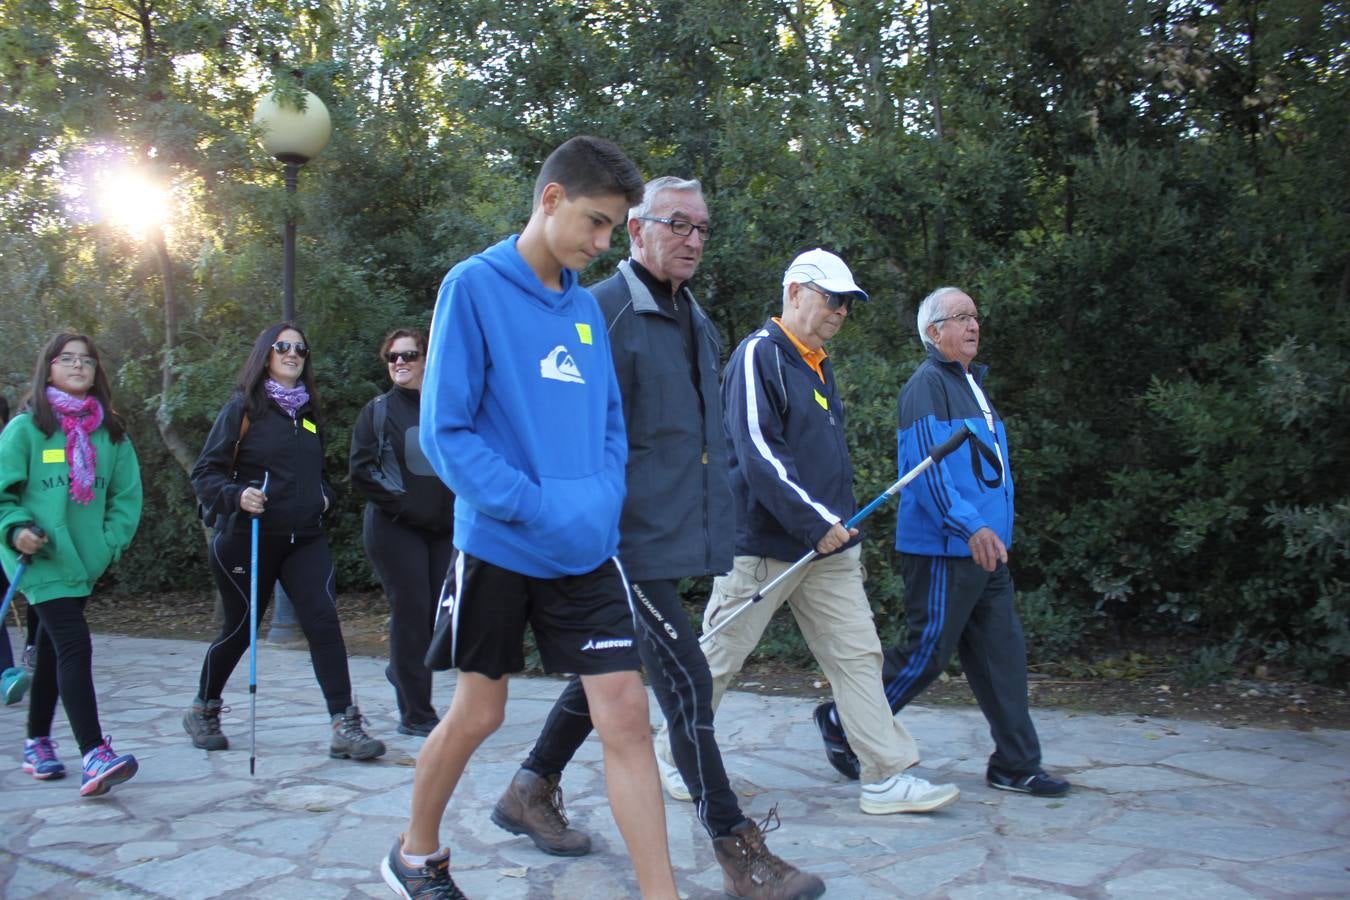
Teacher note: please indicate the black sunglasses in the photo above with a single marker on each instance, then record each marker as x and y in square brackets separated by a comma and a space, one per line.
[832, 300]
[284, 347]
[394, 356]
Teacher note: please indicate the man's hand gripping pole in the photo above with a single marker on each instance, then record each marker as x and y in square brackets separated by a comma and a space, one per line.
[958, 438]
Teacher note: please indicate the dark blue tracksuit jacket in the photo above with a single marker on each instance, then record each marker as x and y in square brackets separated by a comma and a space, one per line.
[790, 469]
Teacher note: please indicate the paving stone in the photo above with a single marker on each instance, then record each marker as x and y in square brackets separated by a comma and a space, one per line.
[1137, 779]
[1080, 864]
[1320, 875]
[1249, 767]
[1210, 838]
[1004, 892]
[930, 871]
[1193, 884]
[144, 851]
[211, 872]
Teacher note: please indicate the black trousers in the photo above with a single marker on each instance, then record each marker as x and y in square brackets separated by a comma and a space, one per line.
[65, 666]
[305, 569]
[953, 605]
[412, 564]
[683, 687]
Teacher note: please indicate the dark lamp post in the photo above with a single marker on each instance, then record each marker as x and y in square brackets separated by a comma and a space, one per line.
[294, 136]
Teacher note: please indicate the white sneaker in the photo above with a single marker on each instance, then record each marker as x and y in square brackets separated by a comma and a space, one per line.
[673, 781]
[906, 793]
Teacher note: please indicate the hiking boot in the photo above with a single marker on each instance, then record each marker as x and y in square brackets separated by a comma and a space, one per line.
[431, 881]
[906, 793]
[1038, 783]
[533, 806]
[350, 740]
[39, 759]
[202, 723]
[13, 683]
[750, 870]
[104, 768]
[837, 750]
[30, 658]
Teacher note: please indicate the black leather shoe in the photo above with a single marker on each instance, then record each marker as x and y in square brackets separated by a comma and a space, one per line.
[837, 750]
[417, 729]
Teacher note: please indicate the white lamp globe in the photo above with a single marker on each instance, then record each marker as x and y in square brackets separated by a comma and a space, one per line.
[290, 134]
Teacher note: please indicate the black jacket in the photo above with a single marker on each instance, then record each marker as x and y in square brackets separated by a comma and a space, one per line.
[289, 452]
[677, 519]
[790, 467]
[391, 471]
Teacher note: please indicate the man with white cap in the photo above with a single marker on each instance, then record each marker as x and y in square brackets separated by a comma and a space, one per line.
[793, 486]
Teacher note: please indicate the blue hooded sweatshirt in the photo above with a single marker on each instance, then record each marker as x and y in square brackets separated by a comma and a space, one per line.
[522, 418]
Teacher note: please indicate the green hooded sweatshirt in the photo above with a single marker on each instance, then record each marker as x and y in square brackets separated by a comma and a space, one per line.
[83, 540]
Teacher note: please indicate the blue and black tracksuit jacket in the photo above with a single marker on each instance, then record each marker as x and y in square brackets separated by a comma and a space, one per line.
[950, 501]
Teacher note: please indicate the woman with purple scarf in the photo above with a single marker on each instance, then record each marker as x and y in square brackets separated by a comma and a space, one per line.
[269, 431]
[70, 498]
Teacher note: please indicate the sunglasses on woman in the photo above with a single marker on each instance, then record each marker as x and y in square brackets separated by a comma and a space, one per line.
[406, 356]
[284, 347]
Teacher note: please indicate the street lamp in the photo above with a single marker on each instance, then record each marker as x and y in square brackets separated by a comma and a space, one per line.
[294, 135]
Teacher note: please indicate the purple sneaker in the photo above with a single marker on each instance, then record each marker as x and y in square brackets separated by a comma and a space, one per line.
[104, 767]
[39, 759]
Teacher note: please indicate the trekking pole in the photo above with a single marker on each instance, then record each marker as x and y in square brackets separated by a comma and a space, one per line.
[24, 560]
[253, 642]
[958, 438]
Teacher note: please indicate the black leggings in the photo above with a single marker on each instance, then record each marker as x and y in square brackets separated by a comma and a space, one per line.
[65, 665]
[683, 686]
[305, 569]
[412, 565]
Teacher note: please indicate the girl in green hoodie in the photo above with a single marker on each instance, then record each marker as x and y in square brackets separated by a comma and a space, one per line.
[68, 467]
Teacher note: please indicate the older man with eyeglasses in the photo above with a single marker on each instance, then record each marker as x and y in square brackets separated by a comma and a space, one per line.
[793, 484]
[953, 533]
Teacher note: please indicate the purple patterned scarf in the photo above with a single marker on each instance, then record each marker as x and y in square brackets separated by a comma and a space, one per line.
[79, 419]
[289, 399]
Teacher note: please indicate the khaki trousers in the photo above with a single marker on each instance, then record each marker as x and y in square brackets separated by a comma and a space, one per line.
[827, 599]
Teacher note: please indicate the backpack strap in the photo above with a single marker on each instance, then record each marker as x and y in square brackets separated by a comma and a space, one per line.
[244, 424]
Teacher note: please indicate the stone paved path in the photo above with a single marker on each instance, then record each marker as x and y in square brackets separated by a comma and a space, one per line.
[1161, 808]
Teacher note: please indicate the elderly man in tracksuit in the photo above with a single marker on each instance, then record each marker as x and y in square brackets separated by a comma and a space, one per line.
[953, 533]
[793, 483]
[676, 522]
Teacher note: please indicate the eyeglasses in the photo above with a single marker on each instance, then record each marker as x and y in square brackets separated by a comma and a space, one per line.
[284, 347]
[962, 319]
[833, 301]
[71, 360]
[679, 226]
[406, 356]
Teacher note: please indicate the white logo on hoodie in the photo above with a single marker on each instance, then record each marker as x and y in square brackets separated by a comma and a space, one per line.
[558, 365]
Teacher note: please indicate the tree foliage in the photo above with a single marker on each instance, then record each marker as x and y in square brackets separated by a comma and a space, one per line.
[1148, 200]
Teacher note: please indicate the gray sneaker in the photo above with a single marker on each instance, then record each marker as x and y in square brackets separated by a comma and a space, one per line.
[350, 740]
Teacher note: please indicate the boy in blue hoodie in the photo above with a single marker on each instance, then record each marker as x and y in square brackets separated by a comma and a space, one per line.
[523, 421]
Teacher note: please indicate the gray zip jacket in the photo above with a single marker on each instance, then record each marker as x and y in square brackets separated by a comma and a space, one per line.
[678, 518]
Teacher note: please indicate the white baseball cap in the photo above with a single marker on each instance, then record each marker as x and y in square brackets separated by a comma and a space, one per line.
[823, 269]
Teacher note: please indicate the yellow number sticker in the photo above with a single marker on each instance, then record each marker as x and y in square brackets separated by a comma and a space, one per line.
[820, 398]
[53, 456]
[584, 332]
[309, 426]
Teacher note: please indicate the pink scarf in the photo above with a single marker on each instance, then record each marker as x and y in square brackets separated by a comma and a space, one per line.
[79, 419]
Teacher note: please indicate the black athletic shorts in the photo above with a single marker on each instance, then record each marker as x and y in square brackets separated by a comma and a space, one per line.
[582, 624]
